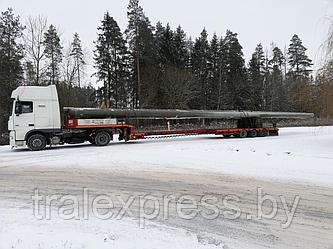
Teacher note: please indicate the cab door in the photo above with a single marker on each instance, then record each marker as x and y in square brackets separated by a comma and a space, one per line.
[24, 119]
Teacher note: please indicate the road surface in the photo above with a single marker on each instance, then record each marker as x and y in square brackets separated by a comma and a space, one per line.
[312, 226]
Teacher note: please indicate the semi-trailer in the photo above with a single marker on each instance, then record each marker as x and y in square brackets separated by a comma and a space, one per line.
[36, 121]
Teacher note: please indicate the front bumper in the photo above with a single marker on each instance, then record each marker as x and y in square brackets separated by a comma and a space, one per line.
[13, 143]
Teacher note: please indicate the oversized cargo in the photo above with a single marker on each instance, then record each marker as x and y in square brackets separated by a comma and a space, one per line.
[89, 113]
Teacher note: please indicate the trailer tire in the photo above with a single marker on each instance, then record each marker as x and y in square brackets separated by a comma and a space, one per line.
[102, 138]
[242, 134]
[36, 142]
[264, 133]
[252, 133]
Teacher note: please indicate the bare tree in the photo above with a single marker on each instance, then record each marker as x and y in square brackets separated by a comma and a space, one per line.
[36, 27]
[69, 66]
[325, 77]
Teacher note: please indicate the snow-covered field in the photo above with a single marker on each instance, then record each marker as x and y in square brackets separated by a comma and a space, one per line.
[298, 154]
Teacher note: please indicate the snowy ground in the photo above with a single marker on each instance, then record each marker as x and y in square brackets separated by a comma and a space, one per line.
[303, 156]
[298, 154]
[20, 230]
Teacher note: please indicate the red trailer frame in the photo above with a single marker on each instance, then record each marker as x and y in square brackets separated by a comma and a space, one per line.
[129, 133]
[235, 132]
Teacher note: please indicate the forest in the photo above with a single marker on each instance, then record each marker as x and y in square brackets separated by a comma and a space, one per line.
[153, 66]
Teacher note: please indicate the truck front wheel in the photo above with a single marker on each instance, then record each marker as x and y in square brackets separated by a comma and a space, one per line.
[36, 142]
[102, 138]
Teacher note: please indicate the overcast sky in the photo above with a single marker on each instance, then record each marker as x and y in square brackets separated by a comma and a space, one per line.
[256, 21]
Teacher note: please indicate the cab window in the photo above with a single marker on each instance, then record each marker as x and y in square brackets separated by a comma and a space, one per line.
[22, 107]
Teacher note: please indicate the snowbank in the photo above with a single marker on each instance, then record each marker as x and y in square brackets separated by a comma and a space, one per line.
[20, 230]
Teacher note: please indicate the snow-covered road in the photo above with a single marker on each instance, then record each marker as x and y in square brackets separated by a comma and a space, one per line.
[297, 163]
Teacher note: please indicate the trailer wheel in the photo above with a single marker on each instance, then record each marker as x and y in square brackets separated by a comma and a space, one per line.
[242, 134]
[264, 133]
[252, 133]
[36, 142]
[102, 138]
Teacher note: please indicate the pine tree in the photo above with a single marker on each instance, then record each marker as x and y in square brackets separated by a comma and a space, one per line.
[297, 58]
[11, 54]
[256, 78]
[298, 75]
[181, 53]
[111, 63]
[78, 55]
[174, 87]
[236, 89]
[136, 18]
[277, 100]
[167, 50]
[222, 93]
[278, 59]
[214, 72]
[139, 33]
[158, 40]
[200, 65]
[53, 52]
[11, 50]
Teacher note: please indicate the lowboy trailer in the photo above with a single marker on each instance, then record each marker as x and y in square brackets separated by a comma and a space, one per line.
[235, 132]
[36, 121]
